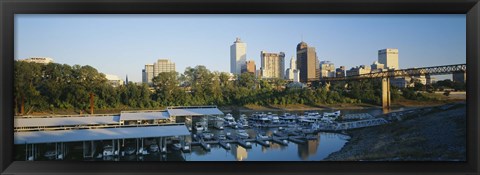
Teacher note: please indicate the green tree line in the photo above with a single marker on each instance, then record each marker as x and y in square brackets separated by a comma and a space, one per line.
[43, 87]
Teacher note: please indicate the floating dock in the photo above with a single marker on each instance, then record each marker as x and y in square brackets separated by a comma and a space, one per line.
[226, 146]
[245, 144]
[279, 141]
[262, 142]
[296, 140]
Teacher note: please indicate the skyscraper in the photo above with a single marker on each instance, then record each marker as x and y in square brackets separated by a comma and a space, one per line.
[388, 57]
[293, 73]
[306, 62]
[147, 73]
[238, 56]
[273, 65]
[152, 70]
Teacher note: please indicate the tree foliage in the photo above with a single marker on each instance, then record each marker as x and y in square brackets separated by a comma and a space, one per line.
[40, 87]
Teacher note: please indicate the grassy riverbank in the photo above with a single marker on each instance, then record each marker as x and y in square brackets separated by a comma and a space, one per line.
[438, 135]
[251, 107]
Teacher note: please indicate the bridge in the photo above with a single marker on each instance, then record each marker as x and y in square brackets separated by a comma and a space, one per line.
[386, 75]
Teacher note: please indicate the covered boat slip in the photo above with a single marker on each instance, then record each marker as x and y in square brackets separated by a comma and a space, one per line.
[26, 124]
[191, 115]
[91, 122]
[60, 137]
[36, 137]
[194, 111]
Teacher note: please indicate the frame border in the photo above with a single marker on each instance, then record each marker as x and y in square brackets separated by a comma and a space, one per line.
[9, 7]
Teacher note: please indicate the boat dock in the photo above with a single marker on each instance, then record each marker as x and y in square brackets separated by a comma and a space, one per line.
[262, 142]
[296, 140]
[224, 145]
[279, 140]
[246, 143]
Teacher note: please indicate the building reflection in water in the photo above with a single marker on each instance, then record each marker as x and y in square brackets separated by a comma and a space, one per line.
[240, 153]
[309, 148]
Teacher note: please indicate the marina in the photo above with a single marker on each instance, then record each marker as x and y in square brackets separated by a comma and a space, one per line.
[177, 133]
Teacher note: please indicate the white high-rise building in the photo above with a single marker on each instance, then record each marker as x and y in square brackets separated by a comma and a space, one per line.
[293, 73]
[273, 65]
[389, 57]
[238, 56]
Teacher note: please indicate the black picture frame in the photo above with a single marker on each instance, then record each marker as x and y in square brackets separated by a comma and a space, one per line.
[9, 7]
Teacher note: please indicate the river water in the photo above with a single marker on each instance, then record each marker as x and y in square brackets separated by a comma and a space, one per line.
[312, 150]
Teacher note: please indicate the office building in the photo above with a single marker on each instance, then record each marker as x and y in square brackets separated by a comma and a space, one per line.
[388, 57]
[114, 80]
[340, 72]
[359, 70]
[273, 65]
[377, 67]
[41, 60]
[402, 82]
[152, 70]
[327, 69]
[249, 67]
[307, 62]
[293, 73]
[147, 73]
[238, 56]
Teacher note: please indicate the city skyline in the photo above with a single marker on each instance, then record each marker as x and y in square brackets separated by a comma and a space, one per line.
[122, 44]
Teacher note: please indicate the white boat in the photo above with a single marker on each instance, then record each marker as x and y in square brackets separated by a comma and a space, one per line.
[242, 133]
[207, 135]
[243, 120]
[50, 154]
[261, 136]
[230, 121]
[107, 151]
[154, 148]
[274, 118]
[218, 123]
[333, 115]
[200, 126]
[129, 150]
[221, 137]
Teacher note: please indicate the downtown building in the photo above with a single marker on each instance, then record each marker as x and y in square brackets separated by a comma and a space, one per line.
[40, 60]
[389, 58]
[307, 62]
[359, 70]
[340, 72]
[249, 67]
[327, 69]
[152, 70]
[272, 65]
[238, 56]
[293, 73]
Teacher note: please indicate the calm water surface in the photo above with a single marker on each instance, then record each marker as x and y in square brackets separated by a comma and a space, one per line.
[312, 150]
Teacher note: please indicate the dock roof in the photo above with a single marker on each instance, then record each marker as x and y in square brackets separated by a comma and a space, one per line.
[65, 121]
[99, 134]
[144, 115]
[194, 111]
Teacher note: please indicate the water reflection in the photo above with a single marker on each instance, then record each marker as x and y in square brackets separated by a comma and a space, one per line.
[240, 153]
[308, 149]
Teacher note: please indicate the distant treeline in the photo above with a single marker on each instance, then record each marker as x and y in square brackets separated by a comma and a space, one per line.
[45, 87]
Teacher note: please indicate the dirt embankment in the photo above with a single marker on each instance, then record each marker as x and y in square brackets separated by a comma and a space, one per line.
[436, 135]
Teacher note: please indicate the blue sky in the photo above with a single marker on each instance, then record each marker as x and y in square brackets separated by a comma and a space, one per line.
[123, 44]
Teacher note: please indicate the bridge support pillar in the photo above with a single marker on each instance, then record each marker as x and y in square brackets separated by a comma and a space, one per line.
[385, 93]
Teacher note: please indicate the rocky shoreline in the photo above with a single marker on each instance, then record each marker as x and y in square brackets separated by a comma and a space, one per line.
[434, 134]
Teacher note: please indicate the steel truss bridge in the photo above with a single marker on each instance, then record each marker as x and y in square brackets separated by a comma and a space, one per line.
[386, 75]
